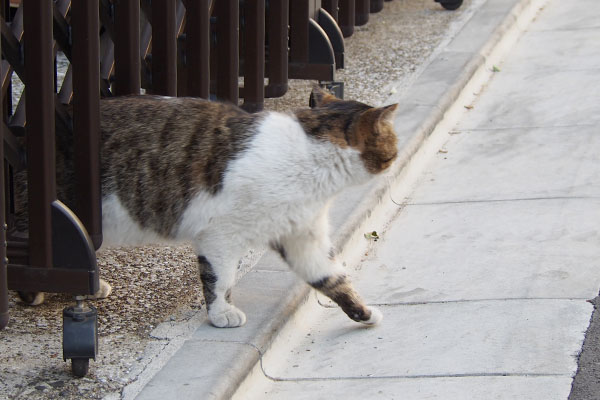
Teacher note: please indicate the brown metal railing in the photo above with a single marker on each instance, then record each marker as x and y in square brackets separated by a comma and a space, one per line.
[3, 261]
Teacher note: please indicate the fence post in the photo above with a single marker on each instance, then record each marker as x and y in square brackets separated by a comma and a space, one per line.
[3, 259]
[86, 114]
[362, 8]
[164, 48]
[376, 6]
[197, 28]
[39, 100]
[299, 16]
[127, 47]
[254, 56]
[347, 17]
[278, 32]
[331, 6]
[228, 37]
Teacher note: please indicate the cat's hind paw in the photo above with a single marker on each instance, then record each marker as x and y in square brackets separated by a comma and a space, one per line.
[103, 292]
[230, 318]
[32, 298]
[376, 317]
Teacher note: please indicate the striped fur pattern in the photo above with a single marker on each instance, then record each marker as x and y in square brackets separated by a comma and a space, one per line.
[171, 149]
[183, 169]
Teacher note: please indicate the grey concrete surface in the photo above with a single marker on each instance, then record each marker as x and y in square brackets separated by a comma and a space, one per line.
[441, 340]
[448, 252]
[488, 388]
[201, 369]
[556, 86]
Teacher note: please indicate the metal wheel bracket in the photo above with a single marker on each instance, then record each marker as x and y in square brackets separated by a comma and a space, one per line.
[336, 88]
[334, 33]
[80, 335]
[320, 50]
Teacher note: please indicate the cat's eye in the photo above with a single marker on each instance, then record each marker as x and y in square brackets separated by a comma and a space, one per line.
[392, 158]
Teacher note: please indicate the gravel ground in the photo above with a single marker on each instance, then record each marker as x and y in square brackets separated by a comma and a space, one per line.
[154, 285]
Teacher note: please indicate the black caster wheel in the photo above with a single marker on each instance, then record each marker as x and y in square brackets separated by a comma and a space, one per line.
[451, 4]
[80, 336]
[80, 366]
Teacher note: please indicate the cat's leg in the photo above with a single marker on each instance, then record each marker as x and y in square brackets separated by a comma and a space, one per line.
[217, 263]
[310, 255]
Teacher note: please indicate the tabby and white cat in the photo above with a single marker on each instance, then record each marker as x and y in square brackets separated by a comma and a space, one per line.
[185, 169]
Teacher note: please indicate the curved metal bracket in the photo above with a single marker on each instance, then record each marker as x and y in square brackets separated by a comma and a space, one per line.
[72, 247]
[320, 50]
[334, 33]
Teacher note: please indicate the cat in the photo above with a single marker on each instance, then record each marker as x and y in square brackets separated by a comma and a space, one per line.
[186, 169]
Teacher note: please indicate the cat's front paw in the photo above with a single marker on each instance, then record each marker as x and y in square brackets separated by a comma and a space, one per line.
[230, 318]
[375, 318]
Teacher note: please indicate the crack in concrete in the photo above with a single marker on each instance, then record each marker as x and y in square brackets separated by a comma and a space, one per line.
[421, 303]
[422, 376]
[516, 199]
[505, 128]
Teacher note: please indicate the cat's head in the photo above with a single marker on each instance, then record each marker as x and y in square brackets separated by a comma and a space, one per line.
[367, 129]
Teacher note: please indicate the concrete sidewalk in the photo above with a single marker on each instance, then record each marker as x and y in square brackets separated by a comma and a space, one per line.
[489, 238]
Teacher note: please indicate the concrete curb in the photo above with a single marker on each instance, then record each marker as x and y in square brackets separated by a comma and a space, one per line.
[234, 353]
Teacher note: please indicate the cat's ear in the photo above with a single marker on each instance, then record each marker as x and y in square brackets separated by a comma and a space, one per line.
[387, 113]
[320, 97]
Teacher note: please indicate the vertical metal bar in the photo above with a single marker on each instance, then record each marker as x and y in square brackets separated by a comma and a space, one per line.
[164, 48]
[39, 90]
[299, 31]
[227, 49]
[376, 6]
[277, 67]
[347, 17]
[362, 8]
[254, 56]
[197, 28]
[331, 6]
[127, 47]
[3, 261]
[86, 114]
